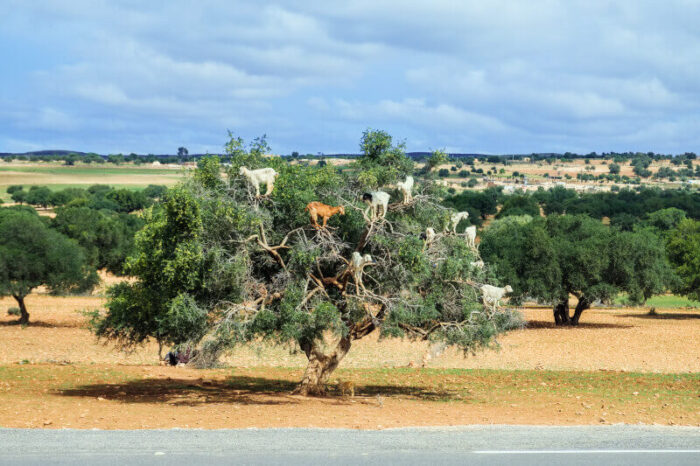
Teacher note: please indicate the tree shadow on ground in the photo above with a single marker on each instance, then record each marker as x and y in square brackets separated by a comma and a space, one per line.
[540, 324]
[236, 389]
[662, 316]
[40, 324]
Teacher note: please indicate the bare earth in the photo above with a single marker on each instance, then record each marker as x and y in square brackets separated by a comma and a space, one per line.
[53, 374]
[616, 339]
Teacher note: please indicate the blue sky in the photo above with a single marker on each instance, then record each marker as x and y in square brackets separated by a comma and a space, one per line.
[466, 76]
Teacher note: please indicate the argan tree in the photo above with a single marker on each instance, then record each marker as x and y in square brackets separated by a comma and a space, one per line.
[31, 254]
[217, 267]
[683, 246]
[550, 259]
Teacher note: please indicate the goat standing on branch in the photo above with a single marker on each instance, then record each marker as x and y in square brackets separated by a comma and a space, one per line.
[240, 269]
[375, 200]
[493, 294]
[259, 176]
[454, 221]
[356, 267]
[318, 209]
[406, 188]
[471, 236]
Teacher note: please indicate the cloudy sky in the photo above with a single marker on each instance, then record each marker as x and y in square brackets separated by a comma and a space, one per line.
[467, 76]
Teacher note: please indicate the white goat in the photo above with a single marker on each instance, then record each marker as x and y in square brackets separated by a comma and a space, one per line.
[493, 294]
[374, 200]
[477, 264]
[406, 187]
[454, 221]
[471, 236]
[259, 176]
[428, 236]
[357, 264]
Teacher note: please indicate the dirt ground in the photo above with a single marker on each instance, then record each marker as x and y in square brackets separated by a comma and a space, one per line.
[620, 365]
[615, 339]
[133, 397]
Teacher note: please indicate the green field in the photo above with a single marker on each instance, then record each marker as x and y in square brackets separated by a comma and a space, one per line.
[57, 177]
[665, 301]
[90, 170]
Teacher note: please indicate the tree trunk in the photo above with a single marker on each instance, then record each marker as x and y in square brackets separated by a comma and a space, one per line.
[561, 312]
[582, 305]
[24, 315]
[320, 366]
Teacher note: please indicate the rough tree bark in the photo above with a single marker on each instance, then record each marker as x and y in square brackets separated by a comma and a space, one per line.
[582, 305]
[561, 311]
[320, 366]
[24, 315]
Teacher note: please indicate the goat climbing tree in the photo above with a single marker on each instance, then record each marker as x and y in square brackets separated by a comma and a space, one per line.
[217, 267]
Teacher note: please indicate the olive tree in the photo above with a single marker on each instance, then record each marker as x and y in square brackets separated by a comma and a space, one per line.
[216, 267]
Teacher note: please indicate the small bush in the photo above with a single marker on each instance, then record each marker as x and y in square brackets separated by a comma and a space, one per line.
[13, 311]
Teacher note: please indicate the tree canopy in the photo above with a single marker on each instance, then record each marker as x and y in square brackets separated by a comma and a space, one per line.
[683, 245]
[381, 162]
[216, 266]
[107, 237]
[550, 259]
[31, 254]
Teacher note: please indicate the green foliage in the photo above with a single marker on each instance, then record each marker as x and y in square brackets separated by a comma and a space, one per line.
[107, 238]
[216, 267]
[437, 158]
[66, 196]
[665, 219]
[208, 172]
[31, 255]
[238, 156]
[38, 195]
[554, 200]
[127, 200]
[155, 191]
[624, 222]
[548, 259]
[519, 205]
[683, 246]
[479, 204]
[614, 168]
[381, 161]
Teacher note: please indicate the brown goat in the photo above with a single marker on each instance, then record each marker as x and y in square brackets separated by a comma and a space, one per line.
[319, 209]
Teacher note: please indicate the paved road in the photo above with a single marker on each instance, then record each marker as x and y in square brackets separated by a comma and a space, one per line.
[513, 445]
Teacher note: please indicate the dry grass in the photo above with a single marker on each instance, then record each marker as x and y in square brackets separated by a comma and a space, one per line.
[53, 374]
[128, 397]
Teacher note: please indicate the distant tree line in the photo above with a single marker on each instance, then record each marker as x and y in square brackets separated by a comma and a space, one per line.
[550, 244]
[638, 159]
[95, 197]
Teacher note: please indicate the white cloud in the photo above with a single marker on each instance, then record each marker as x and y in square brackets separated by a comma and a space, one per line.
[493, 76]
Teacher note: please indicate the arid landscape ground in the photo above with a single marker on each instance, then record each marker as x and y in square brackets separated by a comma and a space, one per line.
[620, 365]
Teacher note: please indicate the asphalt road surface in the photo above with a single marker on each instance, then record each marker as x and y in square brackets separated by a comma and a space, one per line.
[512, 445]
